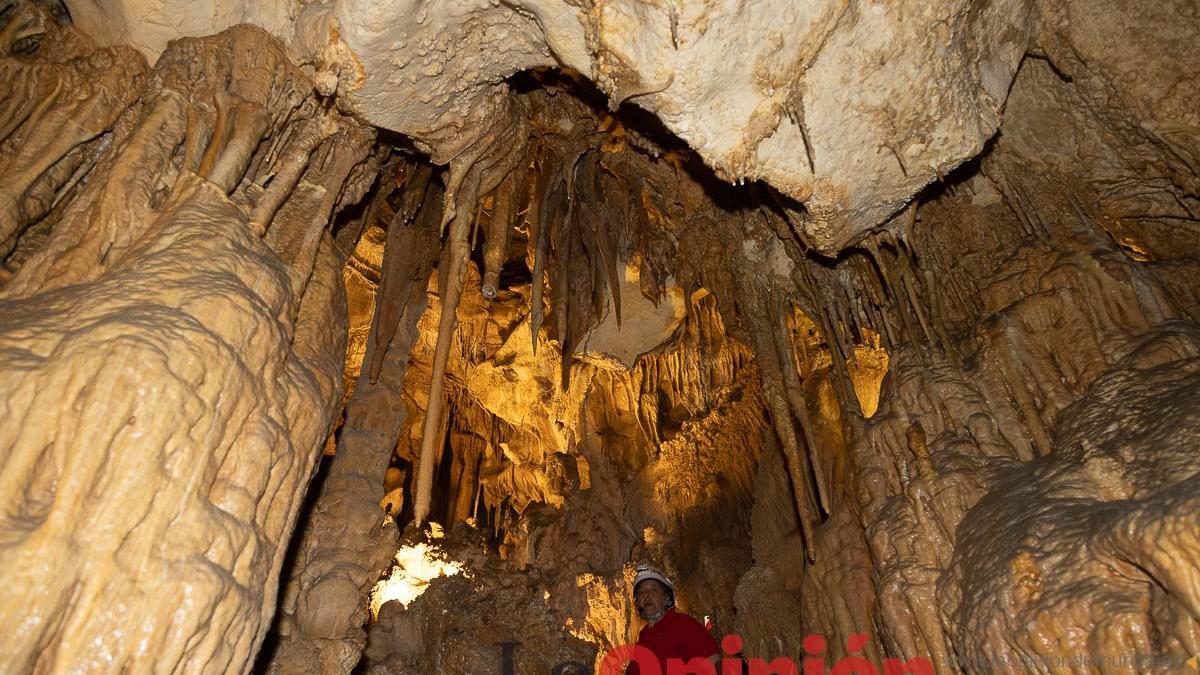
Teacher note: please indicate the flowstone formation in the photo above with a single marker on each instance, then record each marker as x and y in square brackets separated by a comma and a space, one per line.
[171, 347]
[880, 331]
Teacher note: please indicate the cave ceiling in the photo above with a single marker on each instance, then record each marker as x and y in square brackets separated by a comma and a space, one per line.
[849, 108]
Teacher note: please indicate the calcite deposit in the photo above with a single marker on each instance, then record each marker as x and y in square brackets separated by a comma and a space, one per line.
[850, 108]
[169, 366]
[875, 326]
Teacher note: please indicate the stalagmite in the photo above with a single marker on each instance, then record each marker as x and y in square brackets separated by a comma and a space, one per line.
[346, 546]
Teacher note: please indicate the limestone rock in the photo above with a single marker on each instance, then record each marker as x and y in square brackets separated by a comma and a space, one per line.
[852, 109]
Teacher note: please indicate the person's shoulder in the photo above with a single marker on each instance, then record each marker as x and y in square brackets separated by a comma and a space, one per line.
[694, 634]
[684, 617]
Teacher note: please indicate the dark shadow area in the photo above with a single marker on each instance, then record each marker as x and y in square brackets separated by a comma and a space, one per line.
[266, 654]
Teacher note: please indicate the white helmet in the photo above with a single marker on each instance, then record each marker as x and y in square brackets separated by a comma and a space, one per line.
[645, 572]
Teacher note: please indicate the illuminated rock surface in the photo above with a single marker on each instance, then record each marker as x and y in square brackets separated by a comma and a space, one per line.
[848, 107]
[168, 370]
[279, 301]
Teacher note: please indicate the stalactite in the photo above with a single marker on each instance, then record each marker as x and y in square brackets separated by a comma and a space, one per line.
[249, 125]
[553, 200]
[908, 282]
[456, 256]
[607, 247]
[827, 474]
[320, 195]
[757, 309]
[478, 172]
[346, 546]
[288, 175]
[562, 241]
[811, 280]
[344, 549]
[921, 287]
[505, 198]
[219, 136]
[51, 112]
[797, 466]
[594, 244]
[401, 276]
[378, 190]
[556, 185]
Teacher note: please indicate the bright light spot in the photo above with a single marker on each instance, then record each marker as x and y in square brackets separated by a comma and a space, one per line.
[417, 565]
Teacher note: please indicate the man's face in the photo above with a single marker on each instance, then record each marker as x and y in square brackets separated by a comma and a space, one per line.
[651, 599]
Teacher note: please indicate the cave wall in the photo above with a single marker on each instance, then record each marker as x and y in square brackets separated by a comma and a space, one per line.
[991, 479]
[172, 343]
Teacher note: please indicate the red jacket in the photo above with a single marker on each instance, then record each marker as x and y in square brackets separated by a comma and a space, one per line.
[675, 636]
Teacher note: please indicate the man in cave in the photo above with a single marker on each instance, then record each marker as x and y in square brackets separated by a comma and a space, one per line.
[669, 633]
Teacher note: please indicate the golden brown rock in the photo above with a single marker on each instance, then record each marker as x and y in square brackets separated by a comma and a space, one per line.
[170, 378]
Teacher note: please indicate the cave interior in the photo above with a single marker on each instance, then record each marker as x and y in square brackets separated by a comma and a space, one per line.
[407, 330]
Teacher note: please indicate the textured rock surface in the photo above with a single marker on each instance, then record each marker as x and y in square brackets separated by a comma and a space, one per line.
[169, 373]
[851, 109]
[547, 547]
[459, 623]
[1101, 534]
[968, 435]
[965, 304]
[148, 25]
[643, 327]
